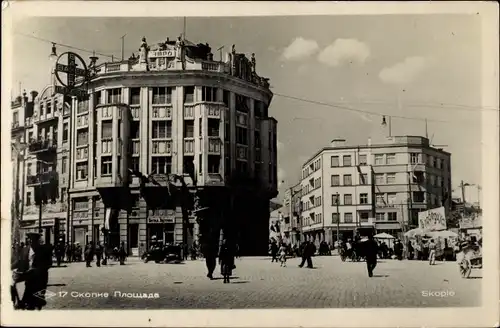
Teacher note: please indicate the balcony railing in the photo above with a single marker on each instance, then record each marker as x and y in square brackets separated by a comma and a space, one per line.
[136, 146]
[213, 110]
[162, 112]
[135, 111]
[214, 145]
[162, 147]
[189, 111]
[41, 178]
[189, 146]
[16, 126]
[37, 146]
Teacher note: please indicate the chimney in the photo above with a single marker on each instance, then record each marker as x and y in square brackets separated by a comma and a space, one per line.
[33, 95]
[338, 142]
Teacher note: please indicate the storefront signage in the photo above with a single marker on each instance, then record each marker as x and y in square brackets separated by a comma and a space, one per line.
[432, 220]
[162, 53]
[158, 219]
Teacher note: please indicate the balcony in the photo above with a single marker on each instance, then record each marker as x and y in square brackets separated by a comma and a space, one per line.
[189, 111]
[38, 146]
[213, 110]
[41, 178]
[189, 146]
[162, 112]
[160, 147]
[136, 146]
[214, 145]
[16, 126]
[135, 111]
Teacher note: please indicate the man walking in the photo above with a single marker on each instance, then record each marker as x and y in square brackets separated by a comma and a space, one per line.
[432, 252]
[59, 252]
[371, 251]
[89, 254]
[98, 254]
[307, 252]
[122, 253]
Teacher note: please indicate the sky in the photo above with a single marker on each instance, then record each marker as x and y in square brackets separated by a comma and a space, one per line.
[418, 66]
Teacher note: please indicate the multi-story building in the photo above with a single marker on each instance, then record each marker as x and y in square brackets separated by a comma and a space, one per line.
[173, 110]
[44, 177]
[381, 186]
[292, 212]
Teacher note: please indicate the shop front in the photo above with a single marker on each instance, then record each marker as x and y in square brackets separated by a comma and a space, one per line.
[161, 226]
[53, 229]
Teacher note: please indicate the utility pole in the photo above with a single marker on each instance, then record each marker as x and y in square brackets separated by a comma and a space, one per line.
[338, 217]
[123, 46]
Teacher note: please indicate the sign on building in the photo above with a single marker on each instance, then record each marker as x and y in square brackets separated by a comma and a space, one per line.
[432, 220]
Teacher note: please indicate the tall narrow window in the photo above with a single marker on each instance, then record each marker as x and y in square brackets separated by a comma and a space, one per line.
[65, 132]
[162, 95]
[107, 130]
[209, 94]
[114, 96]
[162, 129]
[82, 137]
[135, 96]
[189, 94]
[188, 129]
[106, 165]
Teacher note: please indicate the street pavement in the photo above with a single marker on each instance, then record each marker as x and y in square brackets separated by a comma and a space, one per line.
[258, 283]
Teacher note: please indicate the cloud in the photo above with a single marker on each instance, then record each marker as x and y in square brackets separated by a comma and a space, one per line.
[405, 71]
[300, 48]
[344, 51]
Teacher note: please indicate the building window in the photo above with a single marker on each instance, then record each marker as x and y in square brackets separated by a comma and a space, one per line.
[335, 199]
[114, 96]
[380, 199]
[363, 216]
[162, 95]
[391, 178]
[438, 163]
[335, 217]
[64, 164]
[241, 136]
[63, 194]
[82, 137]
[363, 179]
[135, 129]
[414, 158]
[135, 96]
[379, 216]
[392, 216]
[41, 109]
[189, 94]
[418, 177]
[209, 94]
[418, 196]
[347, 217]
[347, 180]
[188, 129]
[65, 134]
[107, 130]
[49, 107]
[162, 129]
[335, 180]
[391, 198]
[347, 199]
[390, 159]
[162, 164]
[379, 159]
[15, 117]
[134, 163]
[28, 199]
[346, 160]
[225, 97]
[213, 164]
[317, 183]
[363, 198]
[82, 170]
[334, 161]
[430, 160]
[363, 160]
[30, 166]
[106, 165]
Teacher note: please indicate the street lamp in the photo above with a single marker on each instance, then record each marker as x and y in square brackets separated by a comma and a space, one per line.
[387, 123]
[53, 54]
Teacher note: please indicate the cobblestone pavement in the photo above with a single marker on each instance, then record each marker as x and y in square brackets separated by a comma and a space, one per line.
[258, 283]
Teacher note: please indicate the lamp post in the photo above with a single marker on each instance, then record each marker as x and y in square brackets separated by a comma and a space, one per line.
[337, 200]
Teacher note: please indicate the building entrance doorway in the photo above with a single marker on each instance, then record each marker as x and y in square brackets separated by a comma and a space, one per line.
[133, 239]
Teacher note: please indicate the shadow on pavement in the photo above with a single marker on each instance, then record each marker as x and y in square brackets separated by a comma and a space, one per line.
[380, 276]
[61, 266]
[240, 282]
[56, 285]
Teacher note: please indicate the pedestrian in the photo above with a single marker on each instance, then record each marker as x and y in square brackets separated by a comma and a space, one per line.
[122, 253]
[410, 250]
[226, 260]
[89, 254]
[274, 252]
[398, 250]
[98, 253]
[210, 255]
[282, 252]
[33, 267]
[308, 251]
[371, 251]
[68, 252]
[59, 252]
[432, 252]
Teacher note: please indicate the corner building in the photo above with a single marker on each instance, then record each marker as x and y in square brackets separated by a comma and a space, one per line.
[173, 110]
